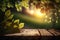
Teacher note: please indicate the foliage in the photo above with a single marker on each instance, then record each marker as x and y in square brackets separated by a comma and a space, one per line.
[7, 13]
[23, 3]
[21, 25]
[9, 23]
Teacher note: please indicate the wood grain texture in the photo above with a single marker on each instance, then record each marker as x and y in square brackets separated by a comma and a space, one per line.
[44, 32]
[36, 32]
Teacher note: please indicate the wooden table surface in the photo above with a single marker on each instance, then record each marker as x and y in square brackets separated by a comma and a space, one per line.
[36, 32]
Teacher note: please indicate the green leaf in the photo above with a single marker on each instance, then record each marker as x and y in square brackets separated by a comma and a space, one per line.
[12, 20]
[9, 5]
[3, 9]
[15, 26]
[21, 25]
[16, 21]
[8, 23]
[18, 9]
[10, 17]
[7, 13]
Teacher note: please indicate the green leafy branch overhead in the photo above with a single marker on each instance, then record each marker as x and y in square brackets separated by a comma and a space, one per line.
[10, 22]
[8, 16]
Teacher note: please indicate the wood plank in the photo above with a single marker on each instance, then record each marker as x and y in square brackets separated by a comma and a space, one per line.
[44, 32]
[55, 32]
[26, 32]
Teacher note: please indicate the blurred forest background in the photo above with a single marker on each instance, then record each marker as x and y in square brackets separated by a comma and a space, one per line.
[13, 15]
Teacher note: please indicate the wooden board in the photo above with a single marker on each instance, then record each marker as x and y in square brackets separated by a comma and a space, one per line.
[35, 32]
[26, 32]
[44, 32]
[54, 32]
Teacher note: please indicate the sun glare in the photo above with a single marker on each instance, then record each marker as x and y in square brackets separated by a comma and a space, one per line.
[36, 13]
[40, 17]
[31, 12]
